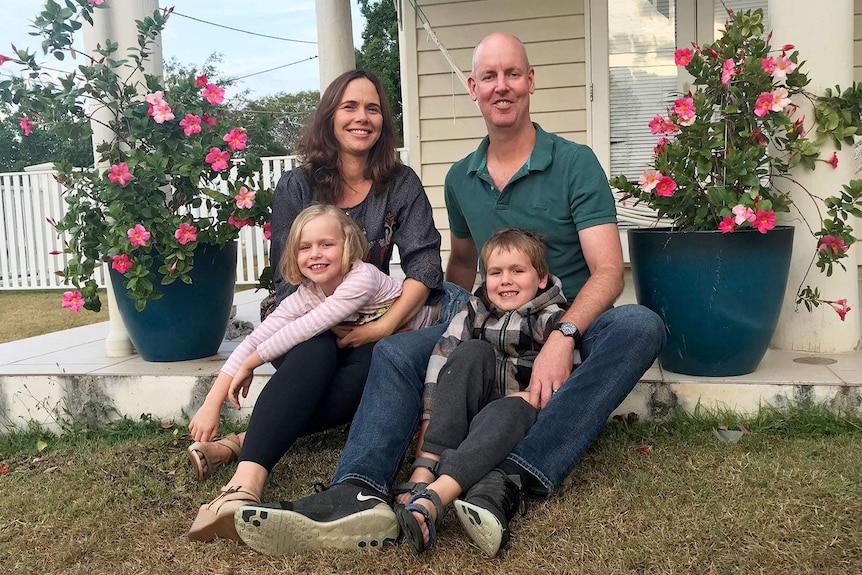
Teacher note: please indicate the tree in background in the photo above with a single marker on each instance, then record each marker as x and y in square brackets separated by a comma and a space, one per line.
[274, 123]
[39, 147]
[379, 52]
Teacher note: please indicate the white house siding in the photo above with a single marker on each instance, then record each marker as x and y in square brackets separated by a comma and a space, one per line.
[448, 125]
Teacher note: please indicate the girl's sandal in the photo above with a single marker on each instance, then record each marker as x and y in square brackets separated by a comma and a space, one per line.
[414, 487]
[202, 457]
[410, 526]
[215, 519]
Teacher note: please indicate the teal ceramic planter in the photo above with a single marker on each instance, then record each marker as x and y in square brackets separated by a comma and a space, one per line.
[719, 295]
[190, 320]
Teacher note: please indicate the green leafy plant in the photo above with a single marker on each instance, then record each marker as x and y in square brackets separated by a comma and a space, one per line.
[727, 145]
[171, 178]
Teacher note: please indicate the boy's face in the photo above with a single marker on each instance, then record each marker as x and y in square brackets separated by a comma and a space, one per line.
[510, 279]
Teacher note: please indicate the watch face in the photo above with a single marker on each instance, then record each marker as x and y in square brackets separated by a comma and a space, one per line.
[567, 328]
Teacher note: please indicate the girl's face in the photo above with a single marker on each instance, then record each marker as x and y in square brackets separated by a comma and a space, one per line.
[319, 252]
[358, 119]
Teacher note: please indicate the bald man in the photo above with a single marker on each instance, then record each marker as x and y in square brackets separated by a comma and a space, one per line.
[519, 176]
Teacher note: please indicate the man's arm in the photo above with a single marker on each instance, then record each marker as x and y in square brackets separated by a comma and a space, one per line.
[463, 259]
[604, 256]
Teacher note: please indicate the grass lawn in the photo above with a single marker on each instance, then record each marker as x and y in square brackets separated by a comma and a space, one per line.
[31, 313]
[647, 498]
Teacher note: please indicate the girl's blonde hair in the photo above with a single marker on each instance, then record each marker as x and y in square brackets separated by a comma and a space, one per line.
[355, 244]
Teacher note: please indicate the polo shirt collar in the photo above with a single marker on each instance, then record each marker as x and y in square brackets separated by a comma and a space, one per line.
[539, 159]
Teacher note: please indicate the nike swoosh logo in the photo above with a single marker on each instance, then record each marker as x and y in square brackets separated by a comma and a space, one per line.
[361, 497]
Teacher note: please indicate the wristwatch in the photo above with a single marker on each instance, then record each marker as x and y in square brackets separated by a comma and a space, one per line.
[569, 329]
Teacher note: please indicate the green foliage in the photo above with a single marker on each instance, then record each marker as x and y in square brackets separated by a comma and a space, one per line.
[167, 177]
[275, 123]
[379, 52]
[41, 146]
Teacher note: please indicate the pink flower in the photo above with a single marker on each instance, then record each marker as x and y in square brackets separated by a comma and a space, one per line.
[661, 147]
[786, 48]
[783, 66]
[764, 221]
[121, 263]
[727, 71]
[757, 134]
[763, 105]
[213, 94]
[244, 198]
[120, 174]
[155, 98]
[833, 161]
[267, 230]
[685, 111]
[217, 159]
[191, 124]
[162, 113]
[780, 99]
[665, 187]
[682, 57]
[835, 243]
[186, 233]
[138, 236]
[656, 125]
[798, 127]
[238, 224]
[201, 81]
[236, 139]
[743, 214]
[208, 120]
[73, 300]
[4, 59]
[726, 225]
[96, 2]
[26, 125]
[649, 180]
[768, 65]
[840, 306]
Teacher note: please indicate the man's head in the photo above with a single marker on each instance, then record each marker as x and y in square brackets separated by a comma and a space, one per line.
[515, 267]
[501, 81]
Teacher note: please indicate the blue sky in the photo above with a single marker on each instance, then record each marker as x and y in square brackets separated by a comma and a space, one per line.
[191, 42]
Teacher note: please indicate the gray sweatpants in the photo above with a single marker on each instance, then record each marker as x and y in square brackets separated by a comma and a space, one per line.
[473, 427]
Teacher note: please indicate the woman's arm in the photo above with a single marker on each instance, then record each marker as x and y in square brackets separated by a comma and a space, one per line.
[413, 296]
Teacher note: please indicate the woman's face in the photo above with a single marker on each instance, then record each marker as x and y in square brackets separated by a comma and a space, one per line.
[358, 119]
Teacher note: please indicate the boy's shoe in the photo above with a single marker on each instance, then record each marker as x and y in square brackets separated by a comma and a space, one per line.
[487, 509]
[342, 517]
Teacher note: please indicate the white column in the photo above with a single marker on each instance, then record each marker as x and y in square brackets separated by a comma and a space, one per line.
[118, 23]
[334, 39]
[824, 37]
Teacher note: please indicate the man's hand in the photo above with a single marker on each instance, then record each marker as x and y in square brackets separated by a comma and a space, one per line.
[551, 369]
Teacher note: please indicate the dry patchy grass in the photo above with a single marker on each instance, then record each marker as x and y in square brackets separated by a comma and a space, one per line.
[31, 313]
[777, 502]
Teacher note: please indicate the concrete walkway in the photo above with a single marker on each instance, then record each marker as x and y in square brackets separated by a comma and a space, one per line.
[66, 376]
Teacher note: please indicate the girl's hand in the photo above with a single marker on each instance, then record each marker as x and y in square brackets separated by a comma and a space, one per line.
[241, 381]
[204, 425]
[360, 335]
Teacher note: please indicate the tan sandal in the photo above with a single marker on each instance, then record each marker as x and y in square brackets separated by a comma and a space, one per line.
[200, 454]
[215, 519]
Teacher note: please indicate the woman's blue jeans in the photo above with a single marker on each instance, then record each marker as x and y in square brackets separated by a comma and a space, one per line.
[619, 346]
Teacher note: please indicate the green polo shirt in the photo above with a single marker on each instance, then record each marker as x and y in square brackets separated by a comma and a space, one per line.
[561, 190]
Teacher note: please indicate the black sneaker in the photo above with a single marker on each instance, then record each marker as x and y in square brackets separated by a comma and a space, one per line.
[487, 509]
[341, 517]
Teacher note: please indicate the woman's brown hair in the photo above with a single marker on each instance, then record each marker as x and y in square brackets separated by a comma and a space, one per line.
[319, 148]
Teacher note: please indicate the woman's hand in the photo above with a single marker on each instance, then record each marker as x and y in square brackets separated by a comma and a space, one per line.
[204, 425]
[241, 381]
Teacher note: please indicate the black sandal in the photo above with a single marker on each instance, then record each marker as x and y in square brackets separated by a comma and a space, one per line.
[410, 526]
[414, 487]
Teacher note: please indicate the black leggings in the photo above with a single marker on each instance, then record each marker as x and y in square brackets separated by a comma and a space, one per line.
[316, 386]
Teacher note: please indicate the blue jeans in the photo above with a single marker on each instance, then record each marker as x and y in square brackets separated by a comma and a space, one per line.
[618, 347]
[388, 413]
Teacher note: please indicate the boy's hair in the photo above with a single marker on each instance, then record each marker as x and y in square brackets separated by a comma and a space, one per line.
[523, 240]
[355, 244]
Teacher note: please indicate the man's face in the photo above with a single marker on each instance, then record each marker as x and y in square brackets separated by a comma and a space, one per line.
[502, 82]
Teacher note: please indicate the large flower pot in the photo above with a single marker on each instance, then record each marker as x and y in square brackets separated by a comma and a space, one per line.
[719, 295]
[189, 320]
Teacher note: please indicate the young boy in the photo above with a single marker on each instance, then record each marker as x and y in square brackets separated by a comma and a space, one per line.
[475, 385]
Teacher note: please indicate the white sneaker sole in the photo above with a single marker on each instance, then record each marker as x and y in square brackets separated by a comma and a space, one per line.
[483, 528]
[282, 532]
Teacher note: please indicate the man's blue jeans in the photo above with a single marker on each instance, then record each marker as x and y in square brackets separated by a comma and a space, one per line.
[619, 346]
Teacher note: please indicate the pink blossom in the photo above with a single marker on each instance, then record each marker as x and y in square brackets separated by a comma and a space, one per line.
[726, 225]
[236, 139]
[201, 81]
[780, 99]
[121, 263]
[665, 187]
[186, 233]
[191, 124]
[656, 125]
[26, 125]
[798, 127]
[4, 59]
[120, 174]
[727, 71]
[649, 180]
[661, 147]
[217, 159]
[763, 105]
[835, 243]
[786, 48]
[757, 134]
[742, 214]
[783, 66]
[238, 224]
[685, 111]
[162, 113]
[244, 198]
[73, 300]
[96, 2]
[840, 306]
[768, 65]
[833, 161]
[764, 221]
[138, 236]
[155, 98]
[213, 94]
[267, 230]
[208, 120]
[682, 57]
